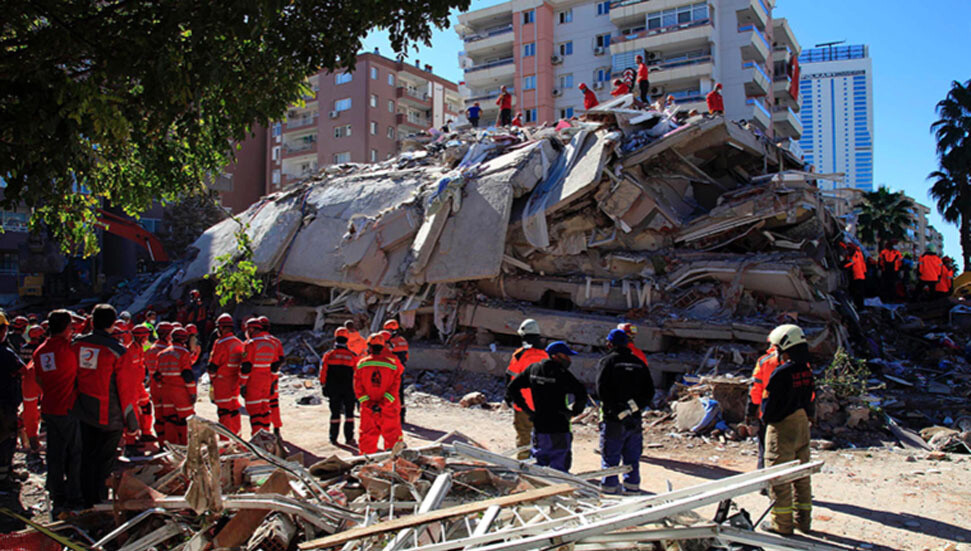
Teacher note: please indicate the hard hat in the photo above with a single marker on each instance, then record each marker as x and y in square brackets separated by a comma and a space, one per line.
[119, 326]
[253, 323]
[224, 320]
[786, 336]
[194, 293]
[628, 328]
[528, 327]
[32, 318]
[164, 329]
[342, 333]
[35, 332]
[180, 335]
[560, 347]
[177, 325]
[140, 331]
[386, 335]
[377, 339]
[192, 329]
[125, 315]
[617, 337]
[583, 86]
[264, 322]
[19, 322]
[391, 325]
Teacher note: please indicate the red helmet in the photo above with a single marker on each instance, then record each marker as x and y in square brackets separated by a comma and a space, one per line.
[342, 332]
[164, 329]
[19, 322]
[180, 335]
[119, 327]
[254, 323]
[391, 325]
[32, 318]
[264, 323]
[224, 320]
[44, 324]
[35, 332]
[194, 293]
[141, 331]
[192, 329]
[177, 325]
[386, 335]
[376, 339]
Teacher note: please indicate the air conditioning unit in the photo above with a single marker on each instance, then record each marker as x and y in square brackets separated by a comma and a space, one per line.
[599, 85]
[599, 50]
[557, 59]
[657, 90]
[557, 92]
[334, 114]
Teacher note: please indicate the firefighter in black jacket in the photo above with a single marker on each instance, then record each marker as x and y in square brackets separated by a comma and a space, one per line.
[550, 381]
[787, 407]
[625, 389]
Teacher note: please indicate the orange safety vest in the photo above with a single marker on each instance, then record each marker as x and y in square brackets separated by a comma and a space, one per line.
[521, 359]
[857, 265]
[891, 257]
[930, 267]
[763, 370]
[944, 284]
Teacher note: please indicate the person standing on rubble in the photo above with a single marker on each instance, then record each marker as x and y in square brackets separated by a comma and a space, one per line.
[105, 404]
[31, 390]
[943, 287]
[505, 107]
[856, 269]
[589, 98]
[715, 101]
[890, 263]
[178, 387]
[355, 342]
[764, 367]
[137, 349]
[164, 333]
[57, 377]
[223, 368]
[625, 389]
[262, 357]
[787, 408]
[11, 368]
[473, 113]
[620, 88]
[643, 80]
[550, 382]
[399, 347]
[337, 383]
[377, 379]
[529, 353]
[929, 271]
[275, 418]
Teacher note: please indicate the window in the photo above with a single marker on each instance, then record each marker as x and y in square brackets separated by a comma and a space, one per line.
[529, 49]
[529, 83]
[277, 129]
[344, 157]
[374, 128]
[390, 106]
[276, 153]
[602, 74]
[342, 131]
[342, 104]
[603, 40]
[391, 132]
[342, 78]
[677, 16]
[374, 73]
[374, 100]
[390, 79]
[566, 113]
[566, 48]
[603, 8]
[566, 81]
[529, 17]
[9, 263]
[566, 16]
[374, 155]
[530, 115]
[276, 176]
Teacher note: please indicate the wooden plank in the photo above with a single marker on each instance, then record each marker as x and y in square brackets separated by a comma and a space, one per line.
[239, 528]
[434, 516]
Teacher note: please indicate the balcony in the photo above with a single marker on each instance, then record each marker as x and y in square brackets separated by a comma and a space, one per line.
[786, 123]
[782, 35]
[488, 95]
[414, 121]
[674, 71]
[300, 147]
[484, 18]
[624, 13]
[757, 83]
[489, 41]
[755, 13]
[756, 46]
[415, 96]
[492, 72]
[760, 115]
[301, 122]
[684, 36]
[780, 91]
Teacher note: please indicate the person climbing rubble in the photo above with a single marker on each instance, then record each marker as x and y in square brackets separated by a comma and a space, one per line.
[589, 97]
[620, 88]
[399, 347]
[715, 101]
[529, 353]
[855, 265]
[224, 364]
[550, 383]
[377, 379]
[178, 387]
[787, 407]
[337, 383]
[625, 389]
[262, 357]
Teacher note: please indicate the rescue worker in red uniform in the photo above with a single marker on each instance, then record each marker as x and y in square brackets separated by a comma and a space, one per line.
[105, 405]
[122, 332]
[715, 101]
[943, 287]
[16, 338]
[224, 362]
[529, 353]
[620, 88]
[764, 367]
[589, 97]
[31, 390]
[164, 332]
[262, 357]
[377, 379]
[337, 382]
[643, 79]
[192, 344]
[178, 387]
[275, 418]
[399, 347]
[929, 270]
[140, 336]
[856, 267]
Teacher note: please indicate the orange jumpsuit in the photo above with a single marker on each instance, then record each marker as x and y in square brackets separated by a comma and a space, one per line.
[150, 363]
[944, 284]
[260, 353]
[137, 379]
[178, 391]
[32, 394]
[227, 354]
[377, 379]
[275, 419]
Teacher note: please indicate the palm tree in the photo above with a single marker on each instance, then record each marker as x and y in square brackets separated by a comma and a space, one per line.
[952, 185]
[884, 215]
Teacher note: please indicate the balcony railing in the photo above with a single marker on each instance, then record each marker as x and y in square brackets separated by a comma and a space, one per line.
[759, 106]
[298, 147]
[681, 61]
[488, 95]
[491, 64]
[495, 31]
[748, 28]
[757, 67]
[662, 30]
[415, 93]
[303, 121]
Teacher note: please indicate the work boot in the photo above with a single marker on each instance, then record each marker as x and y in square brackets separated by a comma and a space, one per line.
[335, 430]
[349, 433]
[403, 415]
[769, 526]
[804, 524]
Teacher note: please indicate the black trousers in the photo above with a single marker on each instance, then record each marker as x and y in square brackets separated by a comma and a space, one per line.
[341, 402]
[858, 292]
[63, 459]
[99, 451]
[505, 117]
[8, 439]
[475, 122]
[645, 87]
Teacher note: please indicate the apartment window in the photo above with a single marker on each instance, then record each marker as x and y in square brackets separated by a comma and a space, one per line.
[566, 81]
[277, 129]
[374, 155]
[566, 16]
[529, 17]
[390, 79]
[276, 153]
[374, 73]
[529, 49]
[603, 8]
[342, 104]
[374, 100]
[390, 132]
[374, 128]
[677, 16]
[566, 48]
[603, 40]
[342, 131]
[530, 115]
[390, 106]
[344, 157]
[342, 78]
[276, 176]
[9, 263]
[566, 113]
[602, 74]
[529, 83]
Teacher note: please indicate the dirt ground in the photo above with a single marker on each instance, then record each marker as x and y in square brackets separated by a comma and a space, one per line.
[873, 498]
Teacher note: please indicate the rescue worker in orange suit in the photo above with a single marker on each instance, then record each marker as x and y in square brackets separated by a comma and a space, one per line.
[943, 287]
[337, 382]
[856, 268]
[56, 368]
[643, 80]
[137, 350]
[529, 353]
[275, 418]
[589, 97]
[197, 313]
[105, 404]
[164, 332]
[929, 271]
[122, 332]
[224, 363]
[764, 367]
[136, 377]
[355, 342]
[715, 101]
[31, 390]
[890, 263]
[262, 357]
[376, 382]
[399, 347]
[178, 387]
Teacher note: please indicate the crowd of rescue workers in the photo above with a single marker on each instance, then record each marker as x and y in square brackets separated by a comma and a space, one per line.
[104, 384]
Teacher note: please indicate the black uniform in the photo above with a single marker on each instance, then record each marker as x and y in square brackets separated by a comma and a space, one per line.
[624, 385]
[10, 398]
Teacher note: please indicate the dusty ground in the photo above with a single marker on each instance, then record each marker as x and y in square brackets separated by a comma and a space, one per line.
[874, 498]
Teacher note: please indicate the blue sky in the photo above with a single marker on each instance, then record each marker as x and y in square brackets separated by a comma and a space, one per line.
[917, 50]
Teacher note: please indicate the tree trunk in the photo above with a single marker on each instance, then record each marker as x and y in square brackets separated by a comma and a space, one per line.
[966, 240]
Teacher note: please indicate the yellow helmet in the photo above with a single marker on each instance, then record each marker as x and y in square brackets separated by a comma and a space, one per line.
[786, 336]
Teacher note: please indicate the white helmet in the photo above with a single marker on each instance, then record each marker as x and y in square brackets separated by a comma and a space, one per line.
[786, 336]
[528, 327]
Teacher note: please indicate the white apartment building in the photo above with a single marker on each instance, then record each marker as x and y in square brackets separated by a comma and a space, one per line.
[836, 90]
[543, 50]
